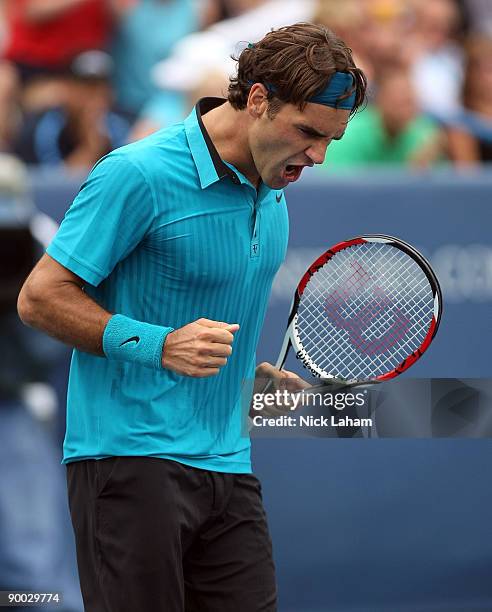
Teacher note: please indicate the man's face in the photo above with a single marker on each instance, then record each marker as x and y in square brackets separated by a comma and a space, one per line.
[283, 145]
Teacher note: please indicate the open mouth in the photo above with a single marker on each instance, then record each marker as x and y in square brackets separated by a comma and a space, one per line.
[292, 172]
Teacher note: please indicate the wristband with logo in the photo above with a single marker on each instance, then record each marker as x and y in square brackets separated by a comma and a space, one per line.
[125, 339]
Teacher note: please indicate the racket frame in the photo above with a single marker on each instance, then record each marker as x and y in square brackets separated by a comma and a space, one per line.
[291, 338]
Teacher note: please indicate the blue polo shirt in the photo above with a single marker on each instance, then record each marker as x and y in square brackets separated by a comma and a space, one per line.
[164, 231]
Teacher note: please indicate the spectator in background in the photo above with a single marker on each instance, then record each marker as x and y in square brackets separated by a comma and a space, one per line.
[434, 53]
[470, 130]
[147, 30]
[83, 127]
[392, 131]
[45, 35]
[158, 103]
[388, 25]
[42, 38]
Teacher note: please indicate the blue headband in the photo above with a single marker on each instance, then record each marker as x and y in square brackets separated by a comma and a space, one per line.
[339, 84]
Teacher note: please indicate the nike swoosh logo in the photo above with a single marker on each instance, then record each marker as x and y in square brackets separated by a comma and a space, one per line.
[135, 339]
[279, 198]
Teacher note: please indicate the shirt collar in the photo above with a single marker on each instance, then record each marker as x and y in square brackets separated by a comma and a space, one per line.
[210, 166]
[208, 162]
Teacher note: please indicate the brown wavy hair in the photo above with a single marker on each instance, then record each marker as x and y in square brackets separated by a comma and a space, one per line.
[298, 60]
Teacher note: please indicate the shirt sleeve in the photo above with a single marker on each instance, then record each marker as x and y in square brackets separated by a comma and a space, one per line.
[111, 214]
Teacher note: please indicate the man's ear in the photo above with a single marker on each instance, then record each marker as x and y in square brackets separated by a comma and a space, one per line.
[257, 103]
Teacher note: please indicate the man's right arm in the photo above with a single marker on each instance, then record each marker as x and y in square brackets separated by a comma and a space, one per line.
[53, 300]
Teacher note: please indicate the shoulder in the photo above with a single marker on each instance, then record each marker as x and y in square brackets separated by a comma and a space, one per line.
[151, 157]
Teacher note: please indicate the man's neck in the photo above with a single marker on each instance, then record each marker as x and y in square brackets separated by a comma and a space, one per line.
[228, 131]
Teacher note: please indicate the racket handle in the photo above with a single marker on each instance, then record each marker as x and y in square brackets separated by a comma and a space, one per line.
[283, 351]
[281, 359]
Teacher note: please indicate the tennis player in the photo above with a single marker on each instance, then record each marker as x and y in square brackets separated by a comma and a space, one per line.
[159, 277]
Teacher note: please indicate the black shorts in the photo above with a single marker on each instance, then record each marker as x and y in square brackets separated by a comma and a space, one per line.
[154, 535]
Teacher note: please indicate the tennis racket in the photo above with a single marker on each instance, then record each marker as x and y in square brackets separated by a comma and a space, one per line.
[365, 311]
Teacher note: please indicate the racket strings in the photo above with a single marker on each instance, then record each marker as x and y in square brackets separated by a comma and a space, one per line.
[375, 313]
[372, 329]
[351, 361]
[377, 331]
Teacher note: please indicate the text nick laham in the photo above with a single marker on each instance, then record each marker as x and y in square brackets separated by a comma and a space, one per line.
[333, 421]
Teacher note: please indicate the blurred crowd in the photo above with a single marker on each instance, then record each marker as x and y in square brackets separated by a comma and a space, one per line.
[81, 77]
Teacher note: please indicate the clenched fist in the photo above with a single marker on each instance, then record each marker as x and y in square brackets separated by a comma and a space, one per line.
[200, 348]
